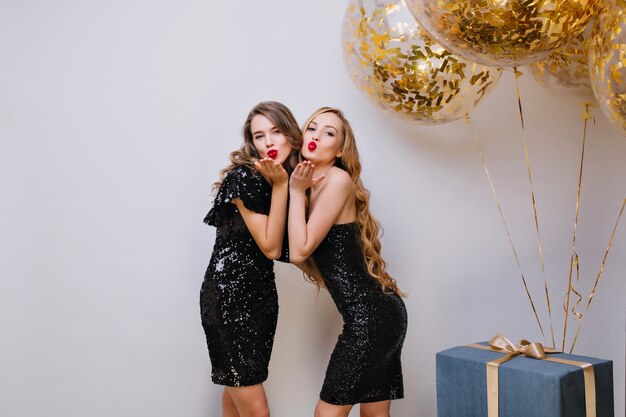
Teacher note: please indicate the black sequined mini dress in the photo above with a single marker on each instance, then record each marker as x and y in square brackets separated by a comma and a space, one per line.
[365, 364]
[238, 299]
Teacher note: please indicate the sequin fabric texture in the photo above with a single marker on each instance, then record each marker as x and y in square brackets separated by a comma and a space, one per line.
[365, 364]
[238, 299]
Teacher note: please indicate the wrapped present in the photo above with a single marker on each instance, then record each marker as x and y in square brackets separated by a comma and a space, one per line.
[500, 379]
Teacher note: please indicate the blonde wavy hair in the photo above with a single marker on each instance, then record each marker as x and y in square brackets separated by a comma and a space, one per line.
[284, 120]
[368, 227]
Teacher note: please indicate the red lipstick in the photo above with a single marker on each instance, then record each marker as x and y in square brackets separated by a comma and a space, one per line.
[312, 146]
[272, 153]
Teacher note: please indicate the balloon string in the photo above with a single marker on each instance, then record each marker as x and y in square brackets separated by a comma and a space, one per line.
[595, 285]
[506, 227]
[530, 179]
[574, 262]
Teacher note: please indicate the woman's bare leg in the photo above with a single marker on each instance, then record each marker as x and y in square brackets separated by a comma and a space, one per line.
[324, 409]
[249, 401]
[229, 409]
[376, 409]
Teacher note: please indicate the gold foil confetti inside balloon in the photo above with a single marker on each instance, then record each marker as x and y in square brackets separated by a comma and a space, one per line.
[565, 72]
[503, 33]
[392, 60]
[607, 64]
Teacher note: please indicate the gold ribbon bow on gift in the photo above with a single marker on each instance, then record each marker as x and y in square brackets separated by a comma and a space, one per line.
[535, 350]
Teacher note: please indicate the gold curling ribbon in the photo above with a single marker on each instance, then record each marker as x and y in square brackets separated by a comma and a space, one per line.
[518, 74]
[506, 227]
[535, 350]
[595, 284]
[574, 263]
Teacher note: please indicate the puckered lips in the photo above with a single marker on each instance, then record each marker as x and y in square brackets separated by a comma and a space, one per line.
[312, 146]
[272, 153]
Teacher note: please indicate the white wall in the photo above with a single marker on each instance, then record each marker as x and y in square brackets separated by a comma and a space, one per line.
[115, 118]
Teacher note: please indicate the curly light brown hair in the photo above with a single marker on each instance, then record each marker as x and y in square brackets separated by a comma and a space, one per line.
[284, 120]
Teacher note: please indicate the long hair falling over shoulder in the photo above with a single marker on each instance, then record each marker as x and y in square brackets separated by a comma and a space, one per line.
[368, 227]
[247, 155]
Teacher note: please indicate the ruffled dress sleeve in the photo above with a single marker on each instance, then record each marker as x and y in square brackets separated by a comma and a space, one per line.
[243, 184]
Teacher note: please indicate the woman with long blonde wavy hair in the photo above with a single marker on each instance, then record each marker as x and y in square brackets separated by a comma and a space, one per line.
[333, 229]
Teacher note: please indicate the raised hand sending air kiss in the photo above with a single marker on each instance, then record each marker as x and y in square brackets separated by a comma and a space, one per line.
[302, 177]
[273, 171]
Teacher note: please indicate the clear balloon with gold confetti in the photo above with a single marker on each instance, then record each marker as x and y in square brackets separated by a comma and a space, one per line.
[392, 60]
[503, 33]
[565, 72]
[607, 64]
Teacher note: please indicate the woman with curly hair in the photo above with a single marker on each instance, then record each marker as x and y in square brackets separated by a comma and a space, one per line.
[238, 299]
[333, 229]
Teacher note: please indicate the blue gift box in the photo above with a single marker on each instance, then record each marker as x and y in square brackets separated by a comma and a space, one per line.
[526, 387]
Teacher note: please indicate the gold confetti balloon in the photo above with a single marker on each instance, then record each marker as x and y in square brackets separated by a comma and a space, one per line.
[607, 64]
[503, 33]
[565, 72]
[392, 60]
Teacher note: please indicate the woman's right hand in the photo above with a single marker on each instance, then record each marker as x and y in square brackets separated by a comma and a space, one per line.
[273, 171]
[302, 177]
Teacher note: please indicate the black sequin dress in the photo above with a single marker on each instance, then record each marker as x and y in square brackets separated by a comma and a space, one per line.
[365, 364]
[238, 299]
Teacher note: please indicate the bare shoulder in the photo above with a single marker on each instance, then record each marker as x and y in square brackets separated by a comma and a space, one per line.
[337, 178]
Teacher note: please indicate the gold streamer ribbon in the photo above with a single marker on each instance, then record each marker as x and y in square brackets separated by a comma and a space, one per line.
[535, 350]
[518, 74]
[574, 263]
[595, 285]
[506, 227]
